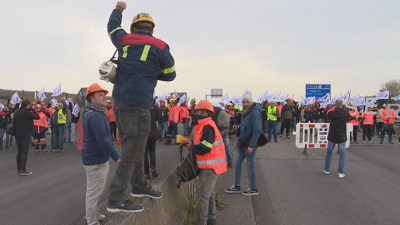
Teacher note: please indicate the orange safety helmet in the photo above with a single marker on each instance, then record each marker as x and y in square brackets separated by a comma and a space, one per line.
[43, 103]
[162, 100]
[108, 101]
[289, 99]
[316, 101]
[38, 106]
[95, 88]
[203, 104]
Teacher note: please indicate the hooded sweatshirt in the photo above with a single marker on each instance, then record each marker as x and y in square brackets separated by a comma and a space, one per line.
[251, 124]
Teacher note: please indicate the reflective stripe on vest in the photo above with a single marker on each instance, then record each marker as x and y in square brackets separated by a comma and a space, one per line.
[62, 118]
[216, 158]
[110, 115]
[270, 115]
[355, 122]
[41, 122]
[173, 115]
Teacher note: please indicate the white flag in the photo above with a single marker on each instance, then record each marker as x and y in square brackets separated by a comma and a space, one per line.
[57, 91]
[382, 95]
[54, 102]
[283, 98]
[217, 105]
[1, 106]
[15, 98]
[225, 99]
[265, 95]
[41, 95]
[245, 91]
[162, 96]
[273, 97]
[182, 100]
[75, 110]
[337, 97]
[260, 98]
[346, 97]
[372, 102]
[396, 98]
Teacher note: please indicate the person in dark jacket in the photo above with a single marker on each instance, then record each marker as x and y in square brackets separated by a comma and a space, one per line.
[337, 135]
[5, 119]
[97, 150]
[23, 119]
[151, 144]
[142, 61]
[250, 128]
[163, 119]
[287, 114]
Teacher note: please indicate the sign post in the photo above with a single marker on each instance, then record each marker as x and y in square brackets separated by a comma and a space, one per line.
[215, 93]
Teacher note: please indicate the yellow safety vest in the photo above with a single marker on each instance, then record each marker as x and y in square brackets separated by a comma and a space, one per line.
[62, 118]
[270, 115]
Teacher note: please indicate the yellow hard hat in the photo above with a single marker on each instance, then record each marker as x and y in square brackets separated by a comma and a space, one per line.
[229, 104]
[194, 100]
[56, 104]
[173, 100]
[142, 17]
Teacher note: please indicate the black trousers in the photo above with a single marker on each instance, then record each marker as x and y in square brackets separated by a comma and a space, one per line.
[22, 155]
[286, 123]
[367, 131]
[150, 150]
[113, 126]
[355, 130]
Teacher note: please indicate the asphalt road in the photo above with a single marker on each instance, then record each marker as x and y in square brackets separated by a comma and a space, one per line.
[293, 189]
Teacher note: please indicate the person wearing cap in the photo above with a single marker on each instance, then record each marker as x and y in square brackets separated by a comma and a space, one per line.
[388, 120]
[40, 128]
[58, 121]
[23, 119]
[163, 119]
[142, 61]
[173, 120]
[111, 119]
[97, 150]
[250, 128]
[209, 150]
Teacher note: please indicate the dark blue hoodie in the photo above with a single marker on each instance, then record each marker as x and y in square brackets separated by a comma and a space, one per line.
[97, 140]
[251, 124]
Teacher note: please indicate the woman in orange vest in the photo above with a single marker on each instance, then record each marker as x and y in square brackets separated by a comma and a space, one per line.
[184, 118]
[40, 128]
[173, 120]
[368, 122]
[209, 150]
[111, 119]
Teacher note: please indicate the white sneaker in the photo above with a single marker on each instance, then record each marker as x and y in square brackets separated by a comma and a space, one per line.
[363, 142]
[325, 172]
[370, 142]
[341, 175]
[101, 217]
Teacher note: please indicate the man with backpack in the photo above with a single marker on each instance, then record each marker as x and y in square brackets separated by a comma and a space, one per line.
[209, 150]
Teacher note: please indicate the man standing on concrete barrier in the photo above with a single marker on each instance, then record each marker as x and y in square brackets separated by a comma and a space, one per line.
[142, 60]
[250, 131]
[337, 135]
[210, 154]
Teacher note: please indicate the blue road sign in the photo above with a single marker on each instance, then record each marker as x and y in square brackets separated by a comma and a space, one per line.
[317, 90]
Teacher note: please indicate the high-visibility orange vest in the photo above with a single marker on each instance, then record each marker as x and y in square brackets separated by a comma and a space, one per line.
[110, 115]
[51, 111]
[41, 122]
[173, 115]
[385, 116]
[184, 114]
[216, 158]
[231, 112]
[280, 110]
[355, 122]
[368, 118]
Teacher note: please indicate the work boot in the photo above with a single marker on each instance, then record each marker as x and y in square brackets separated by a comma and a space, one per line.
[211, 222]
[154, 173]
[230, 164]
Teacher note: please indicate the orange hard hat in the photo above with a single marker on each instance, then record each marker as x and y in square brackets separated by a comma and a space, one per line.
[108, 101]
[289, 99]
[316, 101]
[203, 104]
[95, 88]
[43, 103]
[38, 106]
[162, 100]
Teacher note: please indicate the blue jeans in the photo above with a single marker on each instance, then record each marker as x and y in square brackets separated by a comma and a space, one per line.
[294, 122]
[185, 128]
[162, 126]
[173, 128]
[67, 132]
[251, 162]
[342, 153]
[228, 150]
[58, 137]
[2, 131]
[272, 126]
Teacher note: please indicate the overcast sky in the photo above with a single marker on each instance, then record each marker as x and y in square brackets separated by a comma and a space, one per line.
[233, 45]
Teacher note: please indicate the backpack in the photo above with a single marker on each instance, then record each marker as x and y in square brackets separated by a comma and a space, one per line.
[188, 170]
[221, 119]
